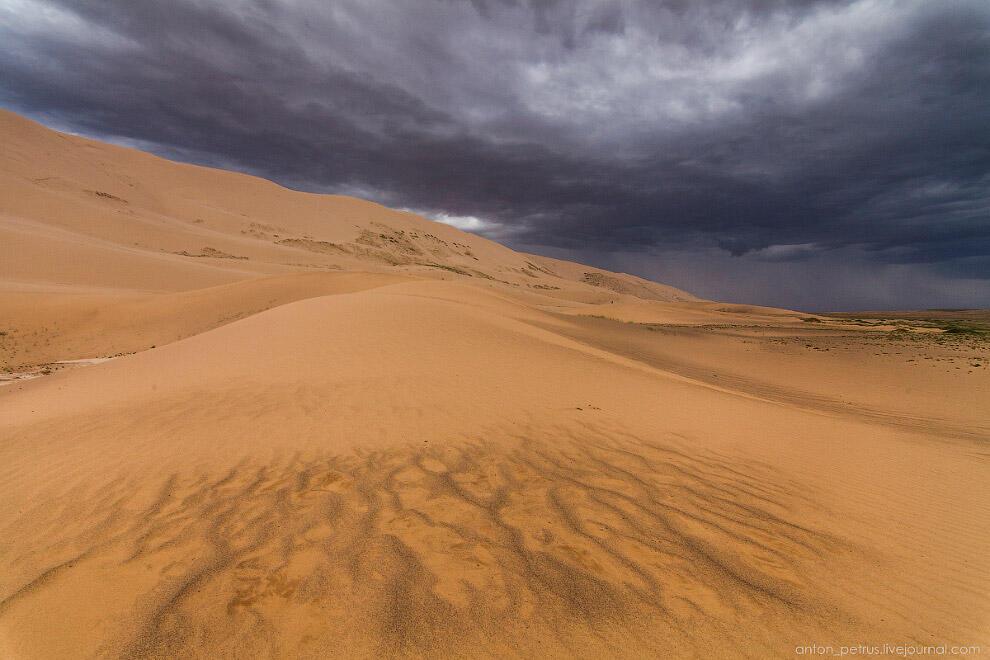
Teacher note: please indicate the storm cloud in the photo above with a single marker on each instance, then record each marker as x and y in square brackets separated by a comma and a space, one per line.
[813, 154]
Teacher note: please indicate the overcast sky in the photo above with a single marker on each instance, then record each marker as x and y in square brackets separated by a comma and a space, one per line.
[817, 155]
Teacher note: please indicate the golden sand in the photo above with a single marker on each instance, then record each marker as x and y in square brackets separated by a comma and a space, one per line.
[331, 429]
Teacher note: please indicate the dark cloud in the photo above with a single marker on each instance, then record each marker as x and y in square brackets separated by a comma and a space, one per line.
[754, 135]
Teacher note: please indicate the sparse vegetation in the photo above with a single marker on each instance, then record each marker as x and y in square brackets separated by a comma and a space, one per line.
[210, 252]
[964, 328]
[106, 195]
[452, 269]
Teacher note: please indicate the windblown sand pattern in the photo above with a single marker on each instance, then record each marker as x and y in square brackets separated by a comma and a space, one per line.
[599, 541]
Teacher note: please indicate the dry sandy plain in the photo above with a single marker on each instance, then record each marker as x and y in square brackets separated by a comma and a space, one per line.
[330, 429]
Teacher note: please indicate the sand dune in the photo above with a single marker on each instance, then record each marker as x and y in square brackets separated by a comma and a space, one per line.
[81, 213]
[346, 431]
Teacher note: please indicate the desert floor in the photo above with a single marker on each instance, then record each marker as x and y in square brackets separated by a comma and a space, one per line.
[240, 421]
